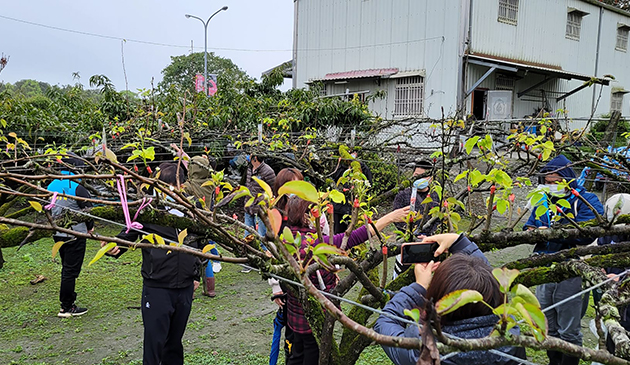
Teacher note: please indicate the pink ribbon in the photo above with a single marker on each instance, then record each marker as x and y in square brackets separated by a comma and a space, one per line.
[53, 201]
[122, 193]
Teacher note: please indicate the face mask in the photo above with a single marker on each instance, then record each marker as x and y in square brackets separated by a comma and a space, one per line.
[554, 189]
[421, 184]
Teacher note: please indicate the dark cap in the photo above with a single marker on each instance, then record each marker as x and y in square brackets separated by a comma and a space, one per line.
[423, 164]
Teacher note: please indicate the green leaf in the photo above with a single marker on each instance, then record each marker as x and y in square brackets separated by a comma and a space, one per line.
[564, 203]
[265, 186]
[541, 210]
[504, 179]
[149, 153]
[302, 189]
[535, 318]
[129, 145]
[413, 314]
[326, 249]
[470, 143]
[476, 177]
[505, 277]
[337, 197]
[523, 292]
[287, 235]
[250, 202]
[102, 252]
[187, 137]
[461, 176]
[506, 309]
[56, 248]
[36, 206]
[502, 206]
[455, 300]
[292, 250]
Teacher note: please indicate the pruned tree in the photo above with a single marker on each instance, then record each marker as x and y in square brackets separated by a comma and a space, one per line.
[484, 166]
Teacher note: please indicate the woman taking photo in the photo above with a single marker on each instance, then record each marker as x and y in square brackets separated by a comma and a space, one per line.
[305, 350]
[467, 268]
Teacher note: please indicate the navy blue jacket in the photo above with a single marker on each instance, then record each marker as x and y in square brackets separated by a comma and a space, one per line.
[412, 296]
[579, 209]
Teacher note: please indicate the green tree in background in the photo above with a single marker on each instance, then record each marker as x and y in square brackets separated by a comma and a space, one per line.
[183, 69]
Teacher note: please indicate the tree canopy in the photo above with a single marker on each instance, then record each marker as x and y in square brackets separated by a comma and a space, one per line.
[181, 72]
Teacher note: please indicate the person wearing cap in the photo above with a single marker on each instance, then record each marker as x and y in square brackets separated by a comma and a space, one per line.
[422, 177]
[72, 252]
[564, 320]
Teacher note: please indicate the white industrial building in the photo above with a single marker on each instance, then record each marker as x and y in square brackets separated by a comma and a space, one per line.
[494, 59]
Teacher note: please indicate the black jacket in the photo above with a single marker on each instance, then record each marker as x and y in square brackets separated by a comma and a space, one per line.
[403, 198]
[161, 269]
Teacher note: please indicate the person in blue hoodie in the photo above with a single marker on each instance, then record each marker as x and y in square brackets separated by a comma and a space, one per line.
[564, 320]
[467, 268]
[72, 252]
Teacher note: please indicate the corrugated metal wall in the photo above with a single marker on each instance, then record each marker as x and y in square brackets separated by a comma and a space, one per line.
[540, 38]
[346, 35]
[422, 35]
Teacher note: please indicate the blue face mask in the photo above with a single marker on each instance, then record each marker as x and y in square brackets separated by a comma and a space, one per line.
[421, 184]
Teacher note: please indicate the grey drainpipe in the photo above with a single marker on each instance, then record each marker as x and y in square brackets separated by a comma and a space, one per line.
[599, 35]
[464, 45]
[295, 43]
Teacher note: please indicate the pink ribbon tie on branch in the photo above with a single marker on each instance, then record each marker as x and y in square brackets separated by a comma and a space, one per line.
[122, 193]
[53, 201]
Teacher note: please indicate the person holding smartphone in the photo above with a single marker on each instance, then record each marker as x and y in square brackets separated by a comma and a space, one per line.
[467, 268]
[305, 349]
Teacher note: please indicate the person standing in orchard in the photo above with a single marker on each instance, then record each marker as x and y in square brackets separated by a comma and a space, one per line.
[259, 169]
[169, 281]
[564, 320]
[72, 252]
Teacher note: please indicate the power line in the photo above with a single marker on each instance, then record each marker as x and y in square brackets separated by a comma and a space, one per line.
[104, 36]
[151, 43]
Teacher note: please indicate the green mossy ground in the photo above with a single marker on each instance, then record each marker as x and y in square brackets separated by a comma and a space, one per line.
[233, 328]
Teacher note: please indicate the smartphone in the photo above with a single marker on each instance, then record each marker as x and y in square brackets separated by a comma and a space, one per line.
[417, 252]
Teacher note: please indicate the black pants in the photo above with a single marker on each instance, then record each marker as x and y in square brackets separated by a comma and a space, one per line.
[165, 314]
[72, 254]
[304, 350]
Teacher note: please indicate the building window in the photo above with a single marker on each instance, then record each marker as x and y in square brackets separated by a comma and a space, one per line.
[616, 102]
[504, 82]
[508, 11]
[574, 25]
[622, 38]
[322, 90]
[409, 96]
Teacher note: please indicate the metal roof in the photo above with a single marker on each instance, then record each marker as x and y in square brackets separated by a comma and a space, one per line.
[360, 74]
[547, 70]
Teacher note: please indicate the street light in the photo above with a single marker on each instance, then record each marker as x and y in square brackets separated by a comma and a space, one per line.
[205, 53]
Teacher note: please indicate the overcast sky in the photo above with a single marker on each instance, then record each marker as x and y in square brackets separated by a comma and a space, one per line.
[255, 34]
